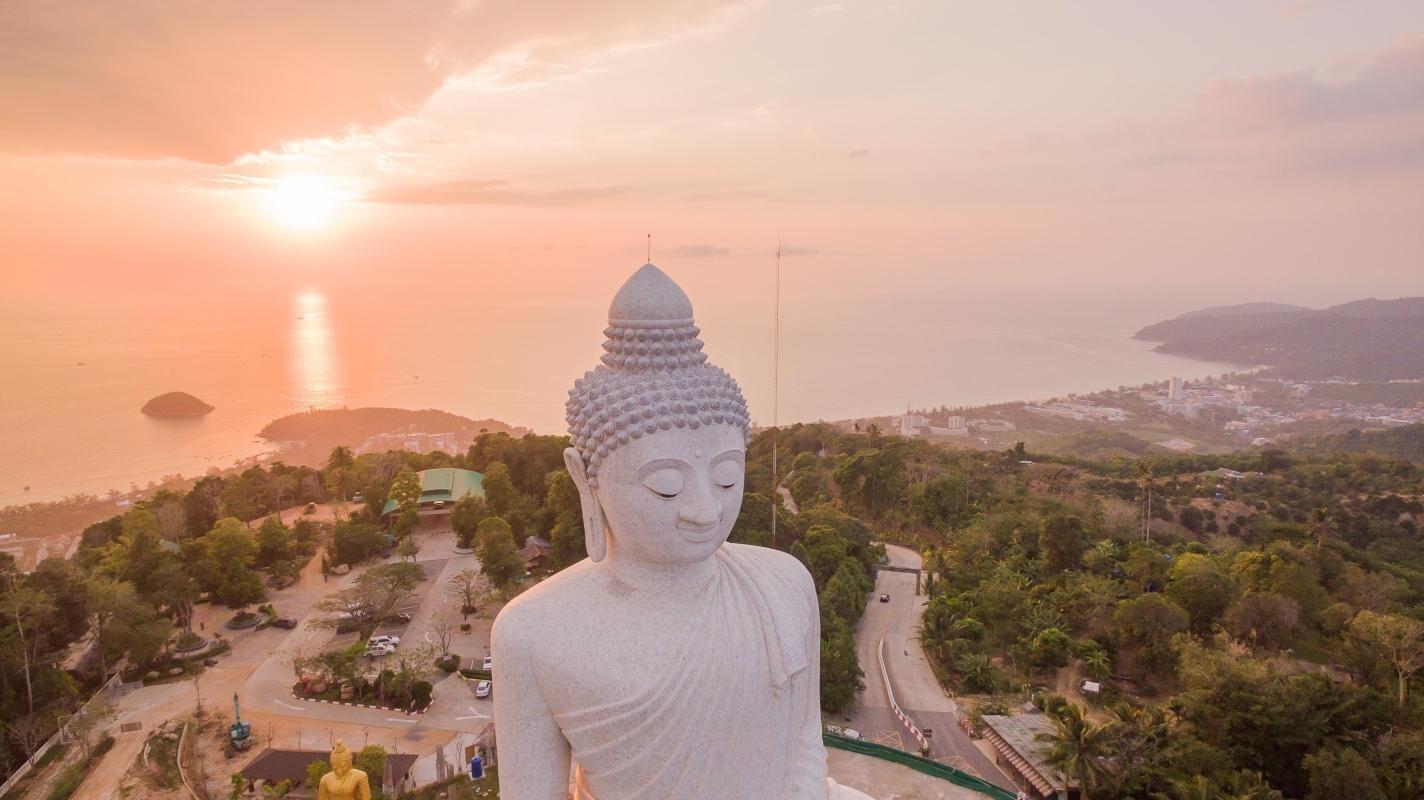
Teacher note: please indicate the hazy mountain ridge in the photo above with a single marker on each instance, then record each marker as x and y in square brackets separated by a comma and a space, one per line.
[1366, 339]
[1406, 443]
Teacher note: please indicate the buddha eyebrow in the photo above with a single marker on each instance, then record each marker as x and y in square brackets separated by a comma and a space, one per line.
[662, 463]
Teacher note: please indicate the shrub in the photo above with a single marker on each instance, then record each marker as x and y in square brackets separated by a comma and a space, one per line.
[420, 693]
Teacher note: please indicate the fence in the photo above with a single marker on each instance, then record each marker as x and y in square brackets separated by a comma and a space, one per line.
[73, 727]
[904, 718]
[922, 765]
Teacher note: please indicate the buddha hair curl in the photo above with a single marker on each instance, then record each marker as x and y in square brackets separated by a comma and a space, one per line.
[654, 376]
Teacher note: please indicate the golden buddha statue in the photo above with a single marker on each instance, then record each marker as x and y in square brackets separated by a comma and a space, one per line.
[343, 782]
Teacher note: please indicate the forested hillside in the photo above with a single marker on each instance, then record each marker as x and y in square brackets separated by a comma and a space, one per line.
[1365, 340]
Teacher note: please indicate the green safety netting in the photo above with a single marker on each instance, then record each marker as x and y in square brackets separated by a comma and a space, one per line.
[914, 762]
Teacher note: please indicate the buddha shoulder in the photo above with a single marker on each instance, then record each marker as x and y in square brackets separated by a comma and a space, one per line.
[546, 607]
[784, 566]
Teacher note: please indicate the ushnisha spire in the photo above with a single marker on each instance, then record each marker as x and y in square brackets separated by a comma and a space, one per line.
[654, 375]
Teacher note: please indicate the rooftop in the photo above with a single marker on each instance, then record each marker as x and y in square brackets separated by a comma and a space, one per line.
[1016, 739]
[446, 485]
[277, 765]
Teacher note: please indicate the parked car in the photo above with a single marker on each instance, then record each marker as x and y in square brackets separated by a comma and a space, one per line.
[483, 689]
[358, 498]
[488, 665]
[388, 639]
[377, 650]
[884, 598]
[285, 622]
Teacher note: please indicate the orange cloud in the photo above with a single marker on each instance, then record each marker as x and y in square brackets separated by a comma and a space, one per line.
[210, 82]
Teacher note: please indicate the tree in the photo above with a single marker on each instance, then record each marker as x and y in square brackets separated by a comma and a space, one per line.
[566, 535]
[443, 626]
[315, 770]
[1267, 619]
[274, 542]
[405, 490]
[1079, 748]
[465, 518]
[232, 550]
[845, 592]
[372, 597]
[1062, 543]
[27, 607]
[176, 594]
[354, 542]
[1150, 622]
[841, 677]
[1399, 640]
[976, 673]
[372, 760]
[1341, 772]
[1196, 584]
[338, 470]
[499, 489]
[499, 557]
[408, 549]
[1146, 477]
[470, 587]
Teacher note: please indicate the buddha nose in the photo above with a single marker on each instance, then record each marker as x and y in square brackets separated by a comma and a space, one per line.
[701, 508]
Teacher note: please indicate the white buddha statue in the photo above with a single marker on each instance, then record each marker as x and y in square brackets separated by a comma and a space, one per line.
[670, 664]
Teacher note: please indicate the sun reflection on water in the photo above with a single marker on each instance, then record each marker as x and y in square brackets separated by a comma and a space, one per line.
[312, 366]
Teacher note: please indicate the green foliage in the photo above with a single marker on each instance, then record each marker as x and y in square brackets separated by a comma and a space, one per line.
[371, 759]
[405, 490]
[499, 557]
[499, 489]
[353, 542]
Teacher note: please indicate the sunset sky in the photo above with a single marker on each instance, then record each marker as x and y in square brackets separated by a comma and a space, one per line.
[525, 148]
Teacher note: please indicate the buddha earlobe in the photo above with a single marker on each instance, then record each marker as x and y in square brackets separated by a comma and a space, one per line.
[595, 528]
[595, 533]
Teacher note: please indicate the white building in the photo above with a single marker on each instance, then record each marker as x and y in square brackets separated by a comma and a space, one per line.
[1174, 388]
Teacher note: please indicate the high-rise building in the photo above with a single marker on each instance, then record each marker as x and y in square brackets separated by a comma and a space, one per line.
[1174, 388]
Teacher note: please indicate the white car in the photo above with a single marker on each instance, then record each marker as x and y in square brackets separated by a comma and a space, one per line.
[483, 689]
[489, 664]
[384, 639]
[378, 650]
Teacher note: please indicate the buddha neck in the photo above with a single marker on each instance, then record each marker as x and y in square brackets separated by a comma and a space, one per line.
[651, 577]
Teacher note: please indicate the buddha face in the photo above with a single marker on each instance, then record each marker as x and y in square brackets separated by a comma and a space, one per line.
[671, 498]
[341, 762]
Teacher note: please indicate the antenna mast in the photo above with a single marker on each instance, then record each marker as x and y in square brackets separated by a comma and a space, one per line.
[776, 396]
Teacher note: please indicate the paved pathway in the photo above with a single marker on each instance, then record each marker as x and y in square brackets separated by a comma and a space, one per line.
[916, 689]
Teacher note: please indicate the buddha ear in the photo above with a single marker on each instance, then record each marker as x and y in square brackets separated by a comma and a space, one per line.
[595, 530]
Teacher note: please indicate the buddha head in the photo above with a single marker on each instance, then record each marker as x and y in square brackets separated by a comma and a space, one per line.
[340, 759]
[658, 434]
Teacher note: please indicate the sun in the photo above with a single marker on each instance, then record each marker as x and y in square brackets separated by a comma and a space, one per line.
[303, 203]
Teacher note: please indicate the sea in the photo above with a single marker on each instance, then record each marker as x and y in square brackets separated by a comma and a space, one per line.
[75, 374]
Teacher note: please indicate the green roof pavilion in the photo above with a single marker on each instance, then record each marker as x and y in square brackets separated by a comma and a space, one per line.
[446, 486]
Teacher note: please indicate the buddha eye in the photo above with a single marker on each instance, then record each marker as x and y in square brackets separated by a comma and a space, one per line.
[665, 483]
[726, 474]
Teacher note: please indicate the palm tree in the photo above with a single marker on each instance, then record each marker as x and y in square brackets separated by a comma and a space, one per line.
[1247, 785]
[1321, 525]
[1079, 748]
[1147, 479]
[975, 672]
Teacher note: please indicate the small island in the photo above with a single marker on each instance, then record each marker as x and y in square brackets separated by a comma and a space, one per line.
[175, 404]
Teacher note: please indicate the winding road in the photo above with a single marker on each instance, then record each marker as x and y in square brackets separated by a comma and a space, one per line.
[912, 678]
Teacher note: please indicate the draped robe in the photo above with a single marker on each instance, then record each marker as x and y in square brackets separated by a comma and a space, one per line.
[723, 705]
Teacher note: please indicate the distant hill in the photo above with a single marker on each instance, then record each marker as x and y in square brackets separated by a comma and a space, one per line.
[1243, 308]
[175, 404]
[1406, 442]
[316, 432]
[1364, 340]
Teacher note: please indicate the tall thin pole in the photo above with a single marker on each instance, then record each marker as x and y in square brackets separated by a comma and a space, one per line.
[776, 396]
